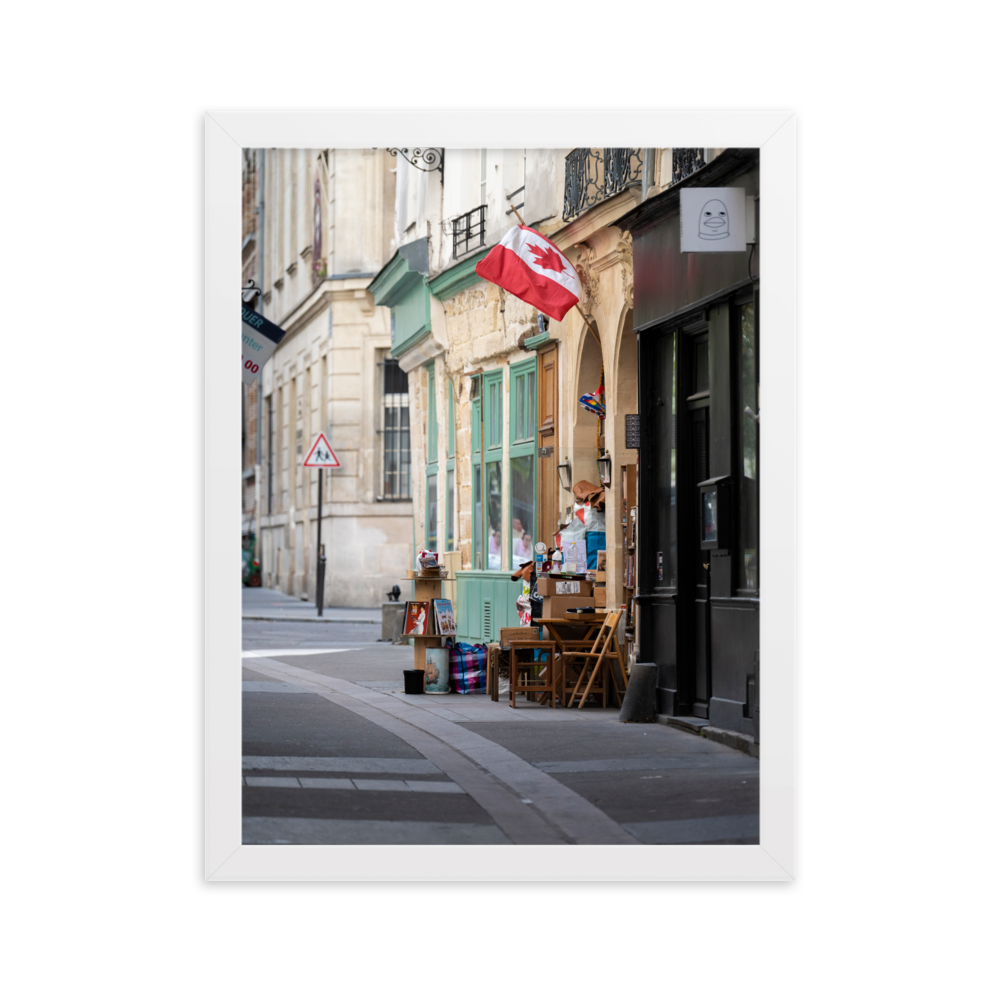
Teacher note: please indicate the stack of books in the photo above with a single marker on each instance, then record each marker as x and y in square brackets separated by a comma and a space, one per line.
[429, 618]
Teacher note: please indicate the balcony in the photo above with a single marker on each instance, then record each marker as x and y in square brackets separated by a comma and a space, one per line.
[685, 162]
[594, 175]
[469, 232]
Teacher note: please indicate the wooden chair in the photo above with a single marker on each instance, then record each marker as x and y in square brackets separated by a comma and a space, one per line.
[536, 676]
[497, 655]
[493, 656]
[595, 662]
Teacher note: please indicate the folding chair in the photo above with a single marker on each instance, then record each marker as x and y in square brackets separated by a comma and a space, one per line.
[593, 663]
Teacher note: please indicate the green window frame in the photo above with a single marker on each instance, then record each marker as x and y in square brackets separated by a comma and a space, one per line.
[450, 485]
[488, 556]
[523, 461]
[431, 469]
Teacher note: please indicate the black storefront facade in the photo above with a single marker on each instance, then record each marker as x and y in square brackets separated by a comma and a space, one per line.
[697, 320]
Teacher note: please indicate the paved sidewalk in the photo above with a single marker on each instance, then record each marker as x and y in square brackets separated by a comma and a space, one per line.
[260, 604]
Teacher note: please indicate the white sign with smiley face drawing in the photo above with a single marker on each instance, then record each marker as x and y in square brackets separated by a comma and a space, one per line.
[713, 220]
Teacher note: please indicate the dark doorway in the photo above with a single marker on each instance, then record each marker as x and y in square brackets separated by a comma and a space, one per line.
[694, 612]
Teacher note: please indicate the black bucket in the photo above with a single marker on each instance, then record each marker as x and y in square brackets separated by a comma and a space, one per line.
[413, 681]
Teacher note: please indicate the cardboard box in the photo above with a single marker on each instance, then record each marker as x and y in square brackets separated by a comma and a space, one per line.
[600, 597]
[556, 607]
[602, 576]
[548, 586]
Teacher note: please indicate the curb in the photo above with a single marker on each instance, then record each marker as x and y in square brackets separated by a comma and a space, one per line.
[312, 621]
[697, 727]
[738, 741]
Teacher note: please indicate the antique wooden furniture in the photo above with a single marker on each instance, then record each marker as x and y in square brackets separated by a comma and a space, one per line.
[426, 587]
[561, 629]
[595, 665]
[533, 670]
[497, 655]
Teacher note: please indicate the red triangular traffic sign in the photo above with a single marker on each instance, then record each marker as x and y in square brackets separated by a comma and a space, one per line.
[321, 455]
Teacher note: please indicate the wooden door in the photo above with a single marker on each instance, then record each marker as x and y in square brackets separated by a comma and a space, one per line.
[548, 442]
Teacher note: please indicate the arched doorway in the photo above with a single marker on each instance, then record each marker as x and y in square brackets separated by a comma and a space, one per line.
[587, 427]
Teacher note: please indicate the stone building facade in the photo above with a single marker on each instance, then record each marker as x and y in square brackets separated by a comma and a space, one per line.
[480, 363]
[324, 227]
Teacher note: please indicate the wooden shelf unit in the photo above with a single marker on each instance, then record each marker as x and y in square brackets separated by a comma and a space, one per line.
[426, 588]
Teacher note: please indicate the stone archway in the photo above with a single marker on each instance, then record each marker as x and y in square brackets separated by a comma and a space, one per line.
[583, 455]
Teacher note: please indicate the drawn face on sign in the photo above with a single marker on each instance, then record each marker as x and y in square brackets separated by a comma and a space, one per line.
[713, 223]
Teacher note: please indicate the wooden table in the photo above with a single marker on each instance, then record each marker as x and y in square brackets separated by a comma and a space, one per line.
[558, 625]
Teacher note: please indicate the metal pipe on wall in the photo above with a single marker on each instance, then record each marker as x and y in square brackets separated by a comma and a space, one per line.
[258, 546]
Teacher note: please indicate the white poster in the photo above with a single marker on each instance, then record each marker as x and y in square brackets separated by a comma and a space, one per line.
[713, 220]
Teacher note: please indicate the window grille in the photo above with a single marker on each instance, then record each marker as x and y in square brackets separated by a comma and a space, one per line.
[469, 232]
[685, 162]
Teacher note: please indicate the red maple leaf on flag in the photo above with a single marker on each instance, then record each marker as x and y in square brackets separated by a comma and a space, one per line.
[547, 258]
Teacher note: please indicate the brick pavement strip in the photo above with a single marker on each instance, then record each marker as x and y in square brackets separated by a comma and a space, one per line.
[533, 808]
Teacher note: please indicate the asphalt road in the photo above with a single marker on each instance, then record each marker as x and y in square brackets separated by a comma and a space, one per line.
[336, 753]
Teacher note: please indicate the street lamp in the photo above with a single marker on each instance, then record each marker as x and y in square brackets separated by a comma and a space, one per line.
[564, 473]
[604, 469]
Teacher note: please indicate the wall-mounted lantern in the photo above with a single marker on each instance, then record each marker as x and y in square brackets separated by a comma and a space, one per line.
[564, 475]
[604, 469]
[714, 515]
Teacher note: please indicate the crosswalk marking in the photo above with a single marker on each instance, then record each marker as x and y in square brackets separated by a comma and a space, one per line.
[355, 784]
[361, 765]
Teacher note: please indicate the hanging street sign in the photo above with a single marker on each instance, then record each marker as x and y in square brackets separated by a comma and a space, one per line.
[321, 455]
[260, 338]
[714, 220]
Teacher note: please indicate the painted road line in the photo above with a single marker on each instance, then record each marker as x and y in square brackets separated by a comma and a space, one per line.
[568, 815]
[698, 831]
[335, 783]
[354, 785]
[312, 621]
[362, 765]
[700, 761]
[298, 830]
[380, 785]
[252, 654]
[272, 687]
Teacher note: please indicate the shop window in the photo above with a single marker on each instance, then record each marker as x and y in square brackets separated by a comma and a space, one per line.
[749, 445]
[395, 432]
[523, 457]
[487, 413]
[449, 518]
[432, 512]
[431, 470]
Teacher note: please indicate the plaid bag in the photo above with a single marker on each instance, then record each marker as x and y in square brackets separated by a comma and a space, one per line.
[467, 666]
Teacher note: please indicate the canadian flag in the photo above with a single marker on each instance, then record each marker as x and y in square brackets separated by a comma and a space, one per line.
[534, 270]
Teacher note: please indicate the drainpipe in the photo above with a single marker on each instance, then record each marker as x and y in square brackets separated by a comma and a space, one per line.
[258, 546]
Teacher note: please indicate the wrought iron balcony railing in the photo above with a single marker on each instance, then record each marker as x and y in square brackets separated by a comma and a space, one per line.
[686, 161]
[594, 175]
[469, 232]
